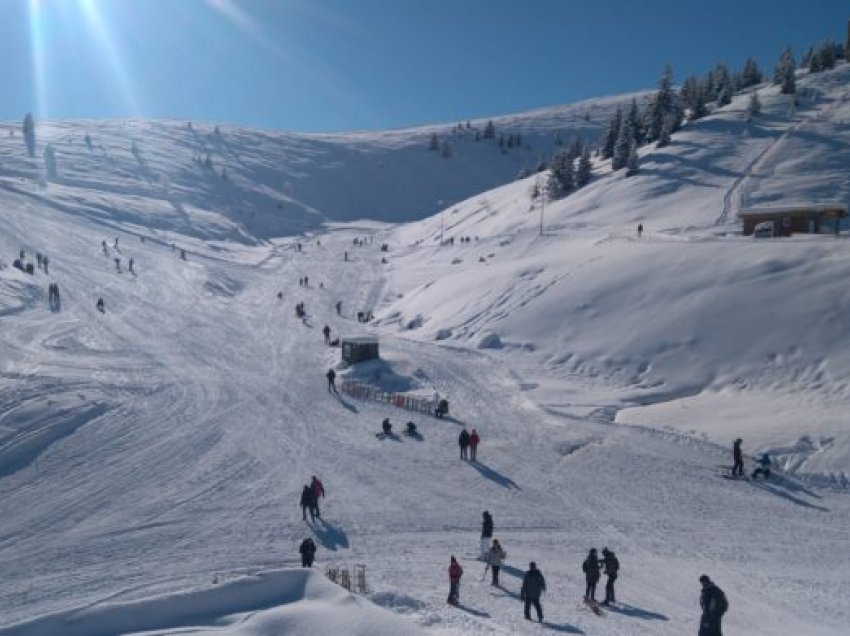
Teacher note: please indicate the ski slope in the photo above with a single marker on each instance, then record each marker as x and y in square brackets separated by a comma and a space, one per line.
[152, 456]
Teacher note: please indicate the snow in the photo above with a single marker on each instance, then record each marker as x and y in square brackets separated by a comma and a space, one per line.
[152, 456]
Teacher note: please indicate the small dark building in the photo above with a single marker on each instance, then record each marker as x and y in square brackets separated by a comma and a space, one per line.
[794, 219]
[359, 348]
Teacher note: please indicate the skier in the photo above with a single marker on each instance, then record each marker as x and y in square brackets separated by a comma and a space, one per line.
[474, 438]
[495, 558]
[116, 243]
[339, 308]
[612, 566]
[713, 602]
[327, 331]
[486, 533]
[455, 572]
[318, 492]
[738, 456]
[463, 442]
[640, 230]
[118, 265]
[590, 567]
[387, 427]
[308, 552]
[533, 585]
[130, 265]
[763, 467]
[100, 305]
[308, 502]
[331, 376]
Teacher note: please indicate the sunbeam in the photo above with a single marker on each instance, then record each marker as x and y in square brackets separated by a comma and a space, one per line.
[37, 44]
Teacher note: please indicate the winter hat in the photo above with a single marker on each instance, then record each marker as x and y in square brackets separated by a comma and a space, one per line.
[532, 566]
[704, 579]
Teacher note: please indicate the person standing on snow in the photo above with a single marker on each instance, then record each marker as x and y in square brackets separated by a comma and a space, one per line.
[308, 552]
[612, 566]
[327, 332]
[763, 467]
[308, 502]
[713, 602]
[455, 572]
[495, 558]
[318, 492]
[474, 439]
[533, 585]
[463, 442]
[331, 376]
[738, 457]
[590, 567]
[486, 533]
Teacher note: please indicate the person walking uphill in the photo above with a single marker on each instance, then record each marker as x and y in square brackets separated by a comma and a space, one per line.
[533, 585]
[486, 533]
[713, 602]
[590, 567]
[463, 442]
[318, 492]
[308, 552]
[738, 457]
[495, 558]
[308, 502]
[612, 566]
[455, 572]
[474, 440]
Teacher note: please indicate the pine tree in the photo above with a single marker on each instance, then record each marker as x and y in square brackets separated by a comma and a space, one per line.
[666, 131]
[635, 122]
[29, 134]
[585, 168]
[751, 75]
[612, 134]
[633, 164]
[621, 148]
[724, 98]
[445, 149]
[699, 109]
[754, 107]
[788, 68]
[662, 104]
[434, 143]
[814, 63]
[489, 130]
[561, 176]
[721, 82]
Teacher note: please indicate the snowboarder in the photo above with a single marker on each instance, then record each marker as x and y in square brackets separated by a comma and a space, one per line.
[455, 572]
[640, 230]
[308, 502]
[331, 376]
[533, 585]
[318, 492]
[339, 308]
[308, 552]
[327, 332]
[486, 533]
[763, 467]
[612, 566]
[100, 305]
[738, 457]
[495, 558]
[590, 567]
[713, 602]
[387, 427]
[474, 438]
[463, 442]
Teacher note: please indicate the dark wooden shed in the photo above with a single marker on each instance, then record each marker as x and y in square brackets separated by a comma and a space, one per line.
[792, 219]
[359, 348]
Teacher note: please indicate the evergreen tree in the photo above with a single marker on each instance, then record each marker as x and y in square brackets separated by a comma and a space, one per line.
[724, 97]
[576, 146]
[785, 71]
[635, 122]
[806, 60]
[662, 104]
[434, 144]
[721, 81]
[666, 131]
[29, 134]
[489, 130]
[445, 149]
[690, 90]
[814, 62]
[633, 163]
[751, 75]
[827, 56]
[612, 134]
[754, 107]
[585, 168]
[621, 148]
[699, 109]
[50, 161]
[561, 176]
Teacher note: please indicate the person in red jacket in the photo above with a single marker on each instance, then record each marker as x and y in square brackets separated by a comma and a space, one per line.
[318, 491]
[455, 572]
[474, 438]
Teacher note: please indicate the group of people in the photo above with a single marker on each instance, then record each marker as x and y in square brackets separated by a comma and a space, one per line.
[592, 567]
[468, 443]
[763, 463]
[310, 496]
[21, 264]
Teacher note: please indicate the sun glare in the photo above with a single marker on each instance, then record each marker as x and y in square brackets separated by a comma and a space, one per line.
[36, 28]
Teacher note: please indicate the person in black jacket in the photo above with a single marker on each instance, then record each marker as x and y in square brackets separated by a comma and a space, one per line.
[713, 602]
[308, 552]
[463, 442]
[612, 566]
[738, 457]
[590, 567]
[533, 585]
[486, 533]
[308, 502]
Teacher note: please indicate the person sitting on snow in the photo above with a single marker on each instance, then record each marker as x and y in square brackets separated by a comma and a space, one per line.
[763, 467]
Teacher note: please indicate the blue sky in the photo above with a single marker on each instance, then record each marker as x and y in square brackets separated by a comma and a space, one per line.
[327, 65]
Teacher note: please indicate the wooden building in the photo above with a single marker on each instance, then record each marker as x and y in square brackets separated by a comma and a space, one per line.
[790, 219]
[359, 348]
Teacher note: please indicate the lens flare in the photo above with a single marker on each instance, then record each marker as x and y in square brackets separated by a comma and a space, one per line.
[37, 44]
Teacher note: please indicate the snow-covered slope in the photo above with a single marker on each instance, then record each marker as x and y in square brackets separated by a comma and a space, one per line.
[152, 456]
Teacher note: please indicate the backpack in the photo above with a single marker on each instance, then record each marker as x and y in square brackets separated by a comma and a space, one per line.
[722, 603]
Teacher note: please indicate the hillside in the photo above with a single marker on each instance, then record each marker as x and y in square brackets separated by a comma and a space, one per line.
[152, 456]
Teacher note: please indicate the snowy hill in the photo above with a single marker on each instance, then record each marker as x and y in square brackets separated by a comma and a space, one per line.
[152, 456]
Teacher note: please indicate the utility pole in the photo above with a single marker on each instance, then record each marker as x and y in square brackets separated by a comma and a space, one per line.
[440, 203]
[542, 207]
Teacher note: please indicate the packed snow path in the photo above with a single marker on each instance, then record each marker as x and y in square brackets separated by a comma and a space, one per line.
[198, 409]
